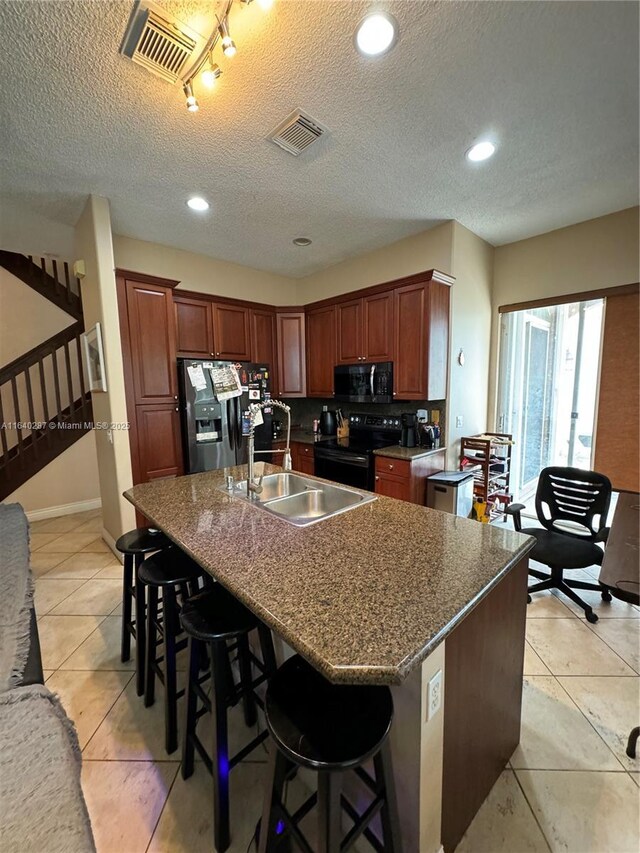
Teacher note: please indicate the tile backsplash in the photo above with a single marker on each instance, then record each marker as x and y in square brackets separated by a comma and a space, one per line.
[305, 409]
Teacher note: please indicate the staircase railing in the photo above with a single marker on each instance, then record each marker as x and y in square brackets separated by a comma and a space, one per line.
[49, 277]
[45, 406]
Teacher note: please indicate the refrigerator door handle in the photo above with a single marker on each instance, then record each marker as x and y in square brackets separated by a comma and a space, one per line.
[238, 422]
[230, 425]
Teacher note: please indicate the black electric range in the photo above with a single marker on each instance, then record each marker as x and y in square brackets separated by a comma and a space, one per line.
[351, 460]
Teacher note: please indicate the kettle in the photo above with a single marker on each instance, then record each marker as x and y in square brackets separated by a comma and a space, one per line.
[409, 437]
[328, 423]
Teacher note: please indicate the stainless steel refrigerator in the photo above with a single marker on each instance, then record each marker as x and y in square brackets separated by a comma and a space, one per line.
[212, 430]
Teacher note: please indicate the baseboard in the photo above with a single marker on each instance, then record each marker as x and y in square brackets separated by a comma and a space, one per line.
[111, 542]
[64, 509]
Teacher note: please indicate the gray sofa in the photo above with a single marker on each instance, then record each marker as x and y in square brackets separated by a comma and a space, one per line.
[41, 802]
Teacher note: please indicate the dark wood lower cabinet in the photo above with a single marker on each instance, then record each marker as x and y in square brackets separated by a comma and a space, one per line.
[484, 657]
[406, 479]
[302, 457]
[159, 450]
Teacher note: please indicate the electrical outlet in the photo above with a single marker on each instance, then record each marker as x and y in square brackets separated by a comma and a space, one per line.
[459, 420]
[434, 694]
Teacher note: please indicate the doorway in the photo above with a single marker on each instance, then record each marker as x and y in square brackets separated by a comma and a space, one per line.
[547, 388]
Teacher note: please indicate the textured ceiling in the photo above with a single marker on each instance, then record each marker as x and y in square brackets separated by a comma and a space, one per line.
[555, 83]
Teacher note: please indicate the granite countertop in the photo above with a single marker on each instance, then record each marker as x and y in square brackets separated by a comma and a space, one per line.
[304, 436]
[397, 452]
[364, 596]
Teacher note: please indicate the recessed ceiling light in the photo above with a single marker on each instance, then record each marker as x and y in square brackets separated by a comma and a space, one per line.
[481, 151]
[302, 241]
[376, 34]
[198, 203]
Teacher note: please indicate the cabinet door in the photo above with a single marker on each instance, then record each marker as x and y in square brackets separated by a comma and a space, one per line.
[231, 332]
[152, 342]
[306, 460]
[321, 351]
[159, 447]
[349, 332]
[378, 327]
[194, 327]
[410, 362]
[393, 487]
[438, 341]
[291, 355]
[263, 344]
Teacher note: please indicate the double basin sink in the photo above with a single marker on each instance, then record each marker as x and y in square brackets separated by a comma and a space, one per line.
[299, 500]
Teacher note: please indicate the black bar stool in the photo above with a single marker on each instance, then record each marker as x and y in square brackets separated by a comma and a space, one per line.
[331, 729]
[134, 545]
[214, 619]
[175, 574]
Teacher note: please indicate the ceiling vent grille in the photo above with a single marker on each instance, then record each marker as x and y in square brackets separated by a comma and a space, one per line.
[297, 132]
[158, 41]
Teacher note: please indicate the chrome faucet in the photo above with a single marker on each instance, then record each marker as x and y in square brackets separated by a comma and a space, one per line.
[253, 487]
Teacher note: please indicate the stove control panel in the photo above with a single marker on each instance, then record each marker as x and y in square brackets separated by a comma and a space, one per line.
[374, 422]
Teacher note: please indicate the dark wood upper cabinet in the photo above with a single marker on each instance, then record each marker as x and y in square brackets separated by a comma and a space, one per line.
[291, 350]
[231, 332]
[378, 328]
[152, 341]
[194, 327]
[349, 332]
[263, 343]
[364, 329]
[159, 450]
[438, 344]
[421, 341]
[321, 351]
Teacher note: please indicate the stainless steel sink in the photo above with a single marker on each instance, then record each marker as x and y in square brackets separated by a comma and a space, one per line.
[276, 486]
[301, 501]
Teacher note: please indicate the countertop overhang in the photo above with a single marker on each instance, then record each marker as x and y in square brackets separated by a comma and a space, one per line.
[364, 596]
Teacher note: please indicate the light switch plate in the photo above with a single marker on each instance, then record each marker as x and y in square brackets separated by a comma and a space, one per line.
[459, 421]
[434, 694]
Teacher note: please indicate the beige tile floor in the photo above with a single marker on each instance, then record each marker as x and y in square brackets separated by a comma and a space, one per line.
[569, 787]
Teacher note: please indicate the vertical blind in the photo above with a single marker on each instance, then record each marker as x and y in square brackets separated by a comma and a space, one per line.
[617, 445]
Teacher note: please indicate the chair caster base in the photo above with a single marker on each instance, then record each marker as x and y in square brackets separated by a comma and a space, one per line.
[591, 617]
[528, 599]
[633, 740]
[606, 595]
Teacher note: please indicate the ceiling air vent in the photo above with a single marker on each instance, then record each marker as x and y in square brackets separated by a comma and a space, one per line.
[159, 41]
[297, 132]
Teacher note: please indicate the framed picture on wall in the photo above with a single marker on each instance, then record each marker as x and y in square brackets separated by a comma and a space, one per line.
[94, 359]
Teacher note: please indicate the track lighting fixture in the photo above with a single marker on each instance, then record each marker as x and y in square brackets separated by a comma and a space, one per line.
[228, 45]
[211, 74]
[192, 103]
[204, 68]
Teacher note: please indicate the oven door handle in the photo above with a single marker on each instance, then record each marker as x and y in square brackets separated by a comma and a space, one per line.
[339, 456]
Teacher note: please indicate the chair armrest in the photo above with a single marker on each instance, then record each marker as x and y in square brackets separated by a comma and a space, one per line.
[603, 534]
[515, 510]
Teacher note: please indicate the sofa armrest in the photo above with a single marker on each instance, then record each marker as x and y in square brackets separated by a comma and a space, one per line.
[33, 673]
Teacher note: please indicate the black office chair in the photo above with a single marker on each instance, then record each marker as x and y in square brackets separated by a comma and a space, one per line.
[578, 497]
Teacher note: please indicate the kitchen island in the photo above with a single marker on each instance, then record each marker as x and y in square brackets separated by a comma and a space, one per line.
[387, 593]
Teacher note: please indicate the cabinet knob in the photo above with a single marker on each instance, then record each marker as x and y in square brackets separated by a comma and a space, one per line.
[177, 409]
[175, 396]
[391, 467]
[394, 393]
[377, 478]
[212, 353]
[217, 353]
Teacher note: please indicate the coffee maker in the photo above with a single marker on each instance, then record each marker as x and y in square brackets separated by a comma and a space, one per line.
[409, 437]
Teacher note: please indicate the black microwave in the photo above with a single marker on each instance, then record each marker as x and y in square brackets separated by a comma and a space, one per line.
[364, 383]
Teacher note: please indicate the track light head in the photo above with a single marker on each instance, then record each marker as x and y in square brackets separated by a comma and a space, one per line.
[211, 74]
[192, 103]
[228, 45]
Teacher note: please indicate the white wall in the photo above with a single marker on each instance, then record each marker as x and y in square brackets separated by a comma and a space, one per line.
[203, 273]
[592, 255]
[100, 304]
[69, 483]
[22, 230]
[429, 250]
[471, 333]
